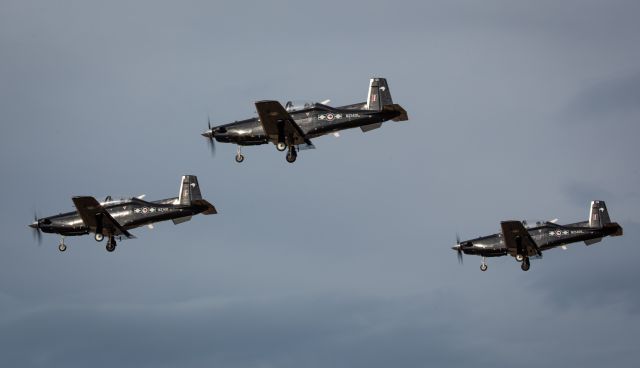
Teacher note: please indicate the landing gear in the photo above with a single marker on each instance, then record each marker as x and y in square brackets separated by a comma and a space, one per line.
[62, 247]
[239, 156]
[483, 265]
[111, 244]
[292, 154]
[525, 264]
[99, 237]
[281, 146]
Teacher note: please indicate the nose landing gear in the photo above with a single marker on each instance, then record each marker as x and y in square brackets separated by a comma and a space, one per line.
[483, 265]
[62, 247]
[239, 156]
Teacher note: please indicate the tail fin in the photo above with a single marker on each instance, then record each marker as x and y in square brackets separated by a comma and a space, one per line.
[190, 196]
[189, 190]
[598, 215]
[379, 94]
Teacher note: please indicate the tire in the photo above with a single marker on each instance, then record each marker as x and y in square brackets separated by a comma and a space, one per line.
[111, 246]
[239, 158]
[62, 247]
[483, 267]
[98, 237]
[525, 265]
[281, 146]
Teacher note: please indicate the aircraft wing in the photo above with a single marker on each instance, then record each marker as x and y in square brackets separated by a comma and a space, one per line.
[96, 218]
[279, 125]
[517, 239]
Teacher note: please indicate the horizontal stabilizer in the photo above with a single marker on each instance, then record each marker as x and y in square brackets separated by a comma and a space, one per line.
[211, 210]
[592, 241]
[370, 127]
[402, 113]
[181, 220]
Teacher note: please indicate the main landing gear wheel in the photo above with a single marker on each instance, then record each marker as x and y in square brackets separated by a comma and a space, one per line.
[519, 257]
[62, 247]
[99, 237]
[525, 264]
[483, 267]
[111, 245]
[281, 146]
[292, 155]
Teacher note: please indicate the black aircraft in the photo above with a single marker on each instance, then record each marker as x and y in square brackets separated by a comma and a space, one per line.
[293, 126]
[522, 240]
[113, 218]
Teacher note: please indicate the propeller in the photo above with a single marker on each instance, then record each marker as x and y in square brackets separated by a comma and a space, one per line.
[36, 229]
[458, 248]
[209, 134]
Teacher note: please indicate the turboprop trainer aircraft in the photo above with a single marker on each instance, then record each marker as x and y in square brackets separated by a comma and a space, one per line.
[522, 239]
[113, 218]
[293, 126]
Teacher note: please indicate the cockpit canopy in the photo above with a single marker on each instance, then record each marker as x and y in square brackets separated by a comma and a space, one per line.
[108, 201]
[299, 105]
[531, 223]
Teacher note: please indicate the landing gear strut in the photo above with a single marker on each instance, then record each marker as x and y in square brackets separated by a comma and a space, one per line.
[483, 265]
[525, 264]
[111, 244]
[62, 247]
[292, 154]
[239, 156]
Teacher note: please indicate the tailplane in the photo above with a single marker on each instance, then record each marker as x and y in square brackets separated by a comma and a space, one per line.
[190, 196]
[379, 99]
[599, 218]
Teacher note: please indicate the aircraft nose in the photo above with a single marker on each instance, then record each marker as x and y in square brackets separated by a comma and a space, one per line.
[208, 133]
[457, 247]
[34, 225]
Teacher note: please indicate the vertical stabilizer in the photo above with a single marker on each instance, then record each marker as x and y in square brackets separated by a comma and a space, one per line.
[598, 215]
[379, 94]
[189, 190]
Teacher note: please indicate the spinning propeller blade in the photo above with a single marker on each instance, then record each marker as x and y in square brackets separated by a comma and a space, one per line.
[37, 235]
[209, 135]
[458, 249]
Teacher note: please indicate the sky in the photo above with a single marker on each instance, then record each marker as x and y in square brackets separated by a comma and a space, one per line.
[518, 109]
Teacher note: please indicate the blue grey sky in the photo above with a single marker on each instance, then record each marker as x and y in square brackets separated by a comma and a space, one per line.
[518, 109]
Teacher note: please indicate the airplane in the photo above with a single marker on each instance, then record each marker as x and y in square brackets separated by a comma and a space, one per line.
[522, 239]
[113, 218]
[293, 126]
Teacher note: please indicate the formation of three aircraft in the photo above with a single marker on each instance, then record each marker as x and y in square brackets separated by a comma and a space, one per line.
[291, 128]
